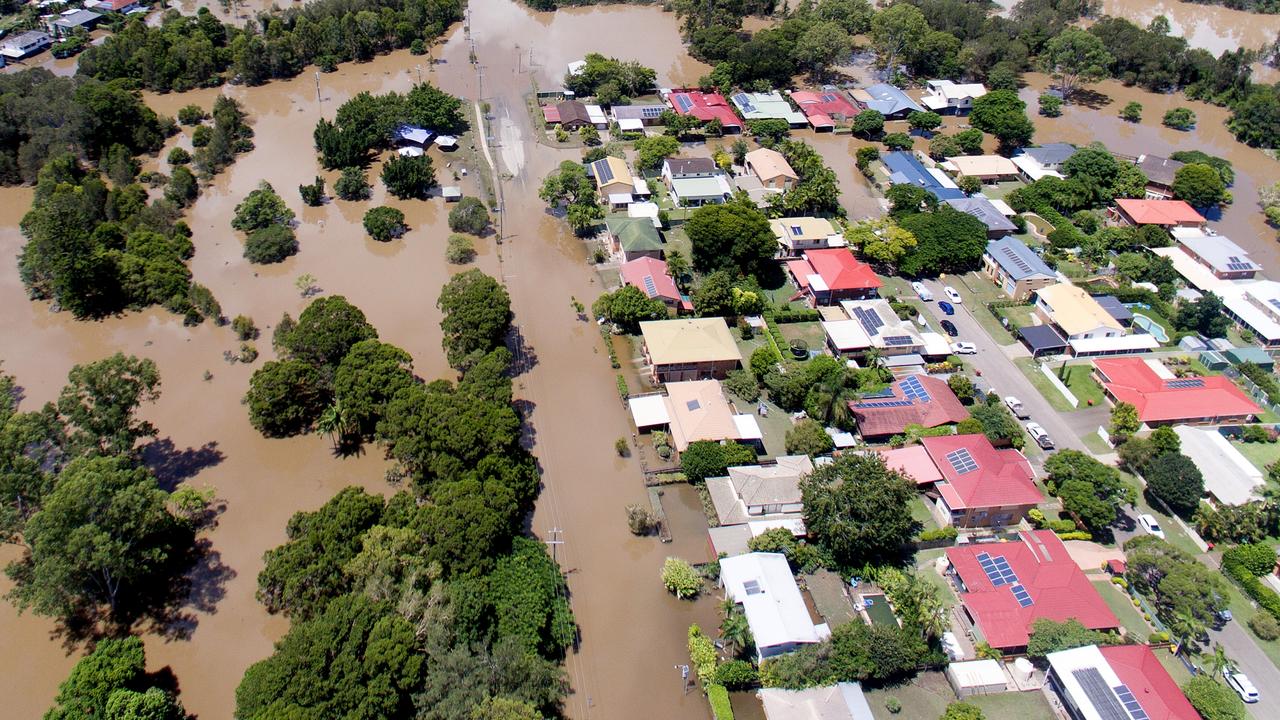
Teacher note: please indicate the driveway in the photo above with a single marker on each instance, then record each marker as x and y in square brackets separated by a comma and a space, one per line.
[1090, 556]
[1001, 374]
[1250, 659]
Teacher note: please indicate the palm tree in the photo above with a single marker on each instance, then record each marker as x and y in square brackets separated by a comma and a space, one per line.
[831, 401]
[986, 652]
[677, 267]
[734, 629]
[1218, 661]
[932, 613]
[334, 422]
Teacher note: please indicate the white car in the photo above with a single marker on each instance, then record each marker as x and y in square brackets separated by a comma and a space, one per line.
[1239, 682]
[952, 295]
[921, 291]
[1150, 524]
[1040, 435]
[964, 348]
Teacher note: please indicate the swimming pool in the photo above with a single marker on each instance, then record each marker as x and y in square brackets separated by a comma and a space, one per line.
[1151, 326]
[878, 611]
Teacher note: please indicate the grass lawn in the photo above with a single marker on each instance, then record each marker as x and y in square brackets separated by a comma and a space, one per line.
[1019, 316]
[1173, 666]
[920, 513]
[1081, 383]
[926, 697]
[1019, 705]
[1260, 454]
[1120, 604]
[810, 332]
[1030, 368]
[1096, 444]
[678, 240]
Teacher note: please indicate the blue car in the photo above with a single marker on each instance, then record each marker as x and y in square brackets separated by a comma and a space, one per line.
[947, 307]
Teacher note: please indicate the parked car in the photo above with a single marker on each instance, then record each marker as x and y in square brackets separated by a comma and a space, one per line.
[964, 348]
[1015, 407]
[921, 291]
[1039, 434]
[952, 295]
[947, 308]
[1239, 682]
[1150, 524]
[949, 328]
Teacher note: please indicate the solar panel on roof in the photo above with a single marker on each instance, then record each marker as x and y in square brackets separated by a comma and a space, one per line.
[684, 102]
[651, 111]
[886, 392]
[693, 404]
[997, 569]
[1102, 697]
[912, 389]
[1130, 702]
[884, 403]
[828, 97]
[898, 340]
[1017, 260]
[1021, 595]
[1185, 383]
[604, 173]
[744, 102]
[650, 288]
[961, 461]
[1274, 303]
[1240, 266]
[795, 230]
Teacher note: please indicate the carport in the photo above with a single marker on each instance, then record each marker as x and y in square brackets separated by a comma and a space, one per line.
[1043, 340]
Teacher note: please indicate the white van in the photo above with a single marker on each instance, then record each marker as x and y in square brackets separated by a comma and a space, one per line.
[922, 291]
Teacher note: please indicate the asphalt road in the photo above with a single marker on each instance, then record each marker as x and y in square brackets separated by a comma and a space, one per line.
[999, 371]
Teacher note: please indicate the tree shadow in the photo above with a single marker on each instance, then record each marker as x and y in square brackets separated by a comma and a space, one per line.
[348, 446]
[172, 466]
[1091, 99]
[523, 357]
[528, 434]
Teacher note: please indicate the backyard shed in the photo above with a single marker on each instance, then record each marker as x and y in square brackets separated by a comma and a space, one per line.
[1214, 361]
[977, 677]
[1255, 355]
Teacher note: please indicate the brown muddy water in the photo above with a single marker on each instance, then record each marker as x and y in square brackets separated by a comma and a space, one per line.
[633, 633]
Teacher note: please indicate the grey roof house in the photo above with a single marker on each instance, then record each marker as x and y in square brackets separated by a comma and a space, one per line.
[1159, 172]
[887, 99]
[1016, 268]
[760, 492]
[79, 20]
[997, 224]
[1115, 308]
[1044, 161]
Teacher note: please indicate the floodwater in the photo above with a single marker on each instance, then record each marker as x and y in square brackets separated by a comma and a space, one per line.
[633, 633]
[1212, 27]
[1242, 221]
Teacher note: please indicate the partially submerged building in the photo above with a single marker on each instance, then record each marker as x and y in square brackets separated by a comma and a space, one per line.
[763, 585]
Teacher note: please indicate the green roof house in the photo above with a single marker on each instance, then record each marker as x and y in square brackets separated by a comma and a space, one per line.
[1255, 355]
[634, 238]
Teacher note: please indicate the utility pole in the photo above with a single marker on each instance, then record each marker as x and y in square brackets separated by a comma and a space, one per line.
[319, 102]
[480, 76]
[419, 66]
[554, 541]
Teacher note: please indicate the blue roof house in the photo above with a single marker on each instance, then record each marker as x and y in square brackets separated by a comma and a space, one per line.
[904, 168]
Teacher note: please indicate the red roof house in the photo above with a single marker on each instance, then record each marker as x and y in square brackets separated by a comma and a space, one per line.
[913, 400]
[1005, 587]
[705, 107]
[551, 114]
[1162, 399]
[1140, 670]
[825, 109]
[830, 275]
[653, 279]
[1165, 213]
[981, 485]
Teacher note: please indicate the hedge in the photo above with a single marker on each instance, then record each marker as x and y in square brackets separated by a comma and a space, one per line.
[623, 390]
[720, 706]
[944, 533]
[702, 651]
[795, 316]
[1252, 587]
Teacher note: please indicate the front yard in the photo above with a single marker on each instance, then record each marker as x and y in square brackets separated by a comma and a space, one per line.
[1077, 378]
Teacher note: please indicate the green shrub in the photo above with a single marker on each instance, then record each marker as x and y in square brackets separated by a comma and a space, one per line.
[1265, 626]
[1261, 594]
[1179, 118]
[271, 244]
[1213, 700]
[1158, 637]
[795, 316]
[680, 578]
[743, 384]
[737, 675]
[1257, 434]
[201, 136]
[1075, 535]
[943, 533]
[1120, 582]
[893, 705]
[384, 224]
[352, 184]
[179, 156]
[702, 652]
[721, 708]
[1258, 558]
[244, 327]
[623, 390]
[459, 249]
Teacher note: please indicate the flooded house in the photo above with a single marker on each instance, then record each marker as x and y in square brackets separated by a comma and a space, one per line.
[771, 168]
[689, 349]
[763, 585]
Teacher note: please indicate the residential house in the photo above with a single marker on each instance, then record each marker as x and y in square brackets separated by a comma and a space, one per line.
[1115, 309]
[1116, 682]
[71, 21]
[689, 349]
[1016, 268]
[613, 180]
[763, 496]
[22, 45]
[981, 486]
[997, 224]
[1044, 161]
[904, 168]
[872, 324]
[947, 97]
[705, 107]
[1165, 213]
[1229, 477]
[572, 115]
[771, 168]
[634, 118]
[886, 99]
[648, 210]
[842, 701]
[767, 106]
[987, 168]
[694, 182]
[119, 6]
[913, 400]
[634, 238]
[651, 276]
[413, 136]
[763, 585]
[755, 190]
[1160, 172]
[828, 276]
[798, 234]
[1004, 588]
[825, 109]
[1163, 398]
[1075, 312]
[1254, 306]
[1043, 340]
[1225, 259]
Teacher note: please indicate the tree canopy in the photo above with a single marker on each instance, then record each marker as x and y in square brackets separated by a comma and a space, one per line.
[859, 509]
[734, 236]
[1091, 491]
[113, 679]
[947, 240]
[477, 315]
[1004, 115]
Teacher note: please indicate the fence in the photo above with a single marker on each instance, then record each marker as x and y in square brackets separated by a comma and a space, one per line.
[1252, 389]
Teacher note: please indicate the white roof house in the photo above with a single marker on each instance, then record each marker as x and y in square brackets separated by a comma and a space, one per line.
[597, 116]
[763, 585]
[1228, 475]
[948, 95]
[645, 210]
[767, 106]
[1216, 252]
[882, 326]
[1256, 305]
[843, 701]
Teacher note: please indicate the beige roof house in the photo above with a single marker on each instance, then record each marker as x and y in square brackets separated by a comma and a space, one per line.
[753, 493]
[772, 168]
[802, 233]
[612, 176]
[843, 701]
[1076, 312]
[986, 167]
[698, 410]
[689, 340]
